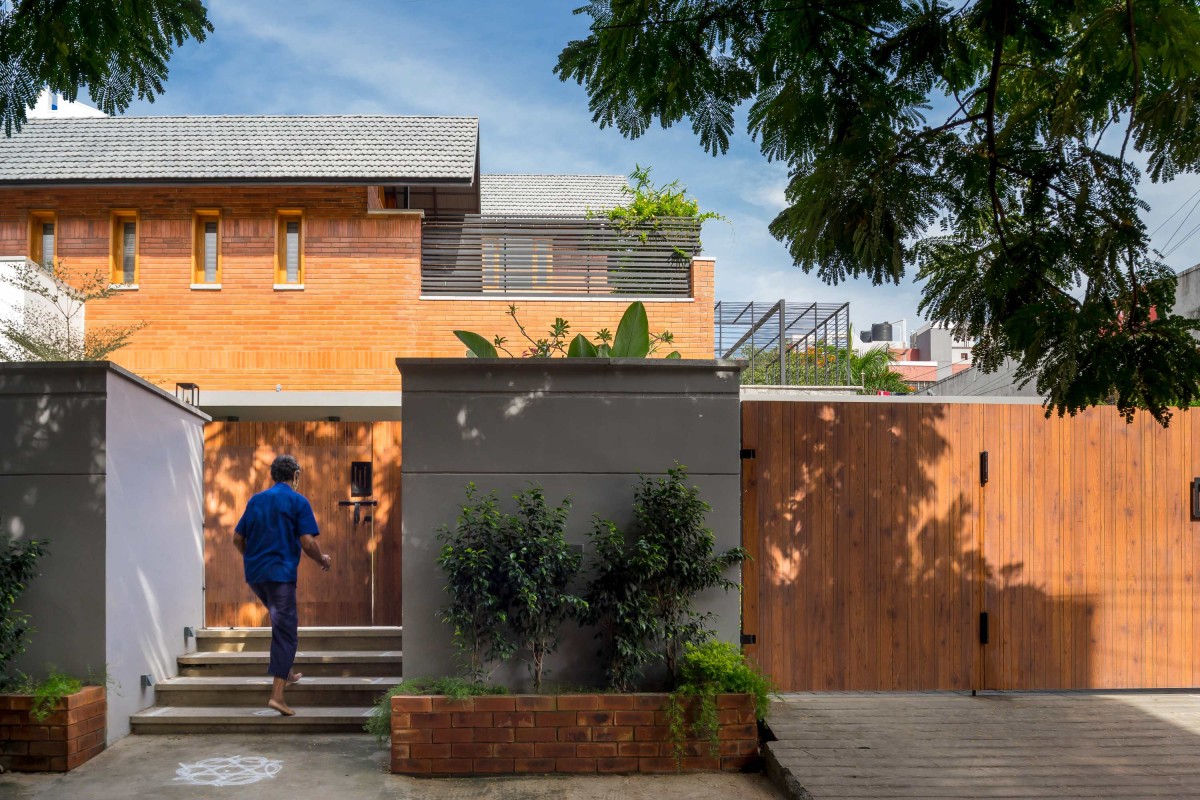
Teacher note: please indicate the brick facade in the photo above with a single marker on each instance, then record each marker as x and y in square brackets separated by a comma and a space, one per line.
[579, 733]
[73, 733]
[360, 308]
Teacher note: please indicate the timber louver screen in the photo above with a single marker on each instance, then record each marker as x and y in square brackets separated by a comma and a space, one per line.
[504, 255]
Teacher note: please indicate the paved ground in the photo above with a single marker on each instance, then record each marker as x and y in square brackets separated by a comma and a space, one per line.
[1043, 745]
[317, 767]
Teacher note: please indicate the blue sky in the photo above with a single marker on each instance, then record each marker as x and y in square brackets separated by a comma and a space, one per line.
[493, 59]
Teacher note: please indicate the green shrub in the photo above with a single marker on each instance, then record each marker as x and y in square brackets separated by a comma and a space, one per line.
[47, 693]
[18, 566]
[723, 666]
[379, 722]
[707, 670]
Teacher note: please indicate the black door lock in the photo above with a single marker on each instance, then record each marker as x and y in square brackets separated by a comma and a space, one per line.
[358, 504]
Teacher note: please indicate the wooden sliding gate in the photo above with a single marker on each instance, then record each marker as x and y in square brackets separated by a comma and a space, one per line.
[890, 554]
[363, 586]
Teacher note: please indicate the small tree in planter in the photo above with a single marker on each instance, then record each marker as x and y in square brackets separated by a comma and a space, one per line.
[539, 570]
[642, 591]
[470, 558]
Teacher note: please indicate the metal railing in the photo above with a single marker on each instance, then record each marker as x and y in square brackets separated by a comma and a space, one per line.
[556, 256]
[786, 343]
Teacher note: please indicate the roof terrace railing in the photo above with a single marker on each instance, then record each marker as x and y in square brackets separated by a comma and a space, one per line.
[505, 256]
[786, 343]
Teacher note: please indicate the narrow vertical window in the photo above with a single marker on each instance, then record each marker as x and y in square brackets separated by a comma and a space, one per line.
[42, 238]
[124, 248]
[206, 265]
[289, 256]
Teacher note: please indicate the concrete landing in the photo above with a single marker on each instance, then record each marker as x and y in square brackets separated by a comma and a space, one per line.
[999, 744]
[329, 766]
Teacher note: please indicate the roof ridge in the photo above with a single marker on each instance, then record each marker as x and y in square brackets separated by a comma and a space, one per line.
[553, 175]
[40, 120]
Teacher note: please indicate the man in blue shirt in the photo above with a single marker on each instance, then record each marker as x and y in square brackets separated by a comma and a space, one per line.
[276, 527]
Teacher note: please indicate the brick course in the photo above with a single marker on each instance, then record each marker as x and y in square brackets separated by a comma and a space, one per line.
[360, 308]
[579, 733]
[72, 734]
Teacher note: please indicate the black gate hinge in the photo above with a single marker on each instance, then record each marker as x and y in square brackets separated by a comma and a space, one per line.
[747, 453]
[749, 638]
[984, 633]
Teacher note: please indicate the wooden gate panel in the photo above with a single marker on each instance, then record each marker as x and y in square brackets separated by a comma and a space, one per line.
[876, 547]
[237, 465]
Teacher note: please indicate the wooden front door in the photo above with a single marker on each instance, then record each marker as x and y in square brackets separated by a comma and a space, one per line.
[363, 586]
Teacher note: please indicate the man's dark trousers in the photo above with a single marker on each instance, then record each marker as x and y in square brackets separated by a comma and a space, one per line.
[280, 600]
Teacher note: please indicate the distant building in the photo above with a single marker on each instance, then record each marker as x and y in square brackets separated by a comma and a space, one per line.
[932, 353]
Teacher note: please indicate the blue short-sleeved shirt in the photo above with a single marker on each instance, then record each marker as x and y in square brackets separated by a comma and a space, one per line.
[272, 525]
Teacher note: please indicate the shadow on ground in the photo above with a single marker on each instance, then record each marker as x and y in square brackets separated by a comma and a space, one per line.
[327, 766]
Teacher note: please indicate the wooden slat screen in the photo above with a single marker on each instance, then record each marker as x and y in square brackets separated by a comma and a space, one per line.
[504, 255]
[876, 548]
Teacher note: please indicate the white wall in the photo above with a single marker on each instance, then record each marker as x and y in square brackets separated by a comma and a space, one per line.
[16, 303]
[155, 540]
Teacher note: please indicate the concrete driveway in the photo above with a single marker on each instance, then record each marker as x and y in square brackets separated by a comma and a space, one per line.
[317, 767]
[999, 744]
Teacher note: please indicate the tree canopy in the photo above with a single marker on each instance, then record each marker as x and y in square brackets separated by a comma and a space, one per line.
[116, 49]
[991, 145]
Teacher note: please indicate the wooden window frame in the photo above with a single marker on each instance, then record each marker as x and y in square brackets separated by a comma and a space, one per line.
[199, 217]
[36, 220]
[282, 217]
[119, 217]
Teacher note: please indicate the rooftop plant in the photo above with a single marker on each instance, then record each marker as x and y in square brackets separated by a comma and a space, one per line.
[633, 340]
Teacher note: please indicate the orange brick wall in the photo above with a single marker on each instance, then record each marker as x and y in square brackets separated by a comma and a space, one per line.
[359, 310]
[580, 733]
[70, 735]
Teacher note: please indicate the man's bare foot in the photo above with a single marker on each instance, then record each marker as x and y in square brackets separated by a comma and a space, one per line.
[281, 707]
[293, 677]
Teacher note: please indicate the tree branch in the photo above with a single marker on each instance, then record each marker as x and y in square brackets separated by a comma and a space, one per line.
[998, 216]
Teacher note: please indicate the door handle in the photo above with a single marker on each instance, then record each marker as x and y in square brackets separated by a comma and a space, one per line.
[358, 504]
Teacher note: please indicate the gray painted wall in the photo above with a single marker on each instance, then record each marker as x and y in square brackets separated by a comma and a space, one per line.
[155, 547]
[586, 429]
[1187, 293]
[108, 469]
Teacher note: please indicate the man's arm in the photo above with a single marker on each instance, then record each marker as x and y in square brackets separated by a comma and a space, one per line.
[239, 542]
[313, 550]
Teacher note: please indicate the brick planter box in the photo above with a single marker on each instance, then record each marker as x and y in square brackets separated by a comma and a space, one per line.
[576, 733]
[72, 734]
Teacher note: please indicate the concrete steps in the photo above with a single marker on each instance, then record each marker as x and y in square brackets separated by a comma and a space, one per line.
[243, 691]
[223, 686]
[240, 640]
[315, 663]
[245, 719]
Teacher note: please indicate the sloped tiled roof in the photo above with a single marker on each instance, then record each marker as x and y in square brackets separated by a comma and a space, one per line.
[550, 195]
[304, 149]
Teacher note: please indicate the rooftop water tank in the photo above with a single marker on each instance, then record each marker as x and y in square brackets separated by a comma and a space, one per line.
[881, 332]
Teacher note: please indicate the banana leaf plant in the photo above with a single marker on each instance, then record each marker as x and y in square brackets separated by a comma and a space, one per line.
[633, 340]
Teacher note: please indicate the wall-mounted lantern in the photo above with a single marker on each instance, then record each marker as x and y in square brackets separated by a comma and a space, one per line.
[188, 393]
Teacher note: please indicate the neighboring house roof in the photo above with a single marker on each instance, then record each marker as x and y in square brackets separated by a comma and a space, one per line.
[327, 149]
[550, 195]
[973, 382]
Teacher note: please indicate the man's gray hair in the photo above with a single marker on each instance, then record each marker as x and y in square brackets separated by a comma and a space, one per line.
[284, 468]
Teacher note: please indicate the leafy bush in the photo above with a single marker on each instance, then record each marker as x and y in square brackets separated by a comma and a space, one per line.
[18, 566]
[47, 693]
[470, 560]
[707, 670]
[642, 589]
[677, 551]
[722, 665]
[633, 340]
[538, 571]
[379, 722]
[621, 606]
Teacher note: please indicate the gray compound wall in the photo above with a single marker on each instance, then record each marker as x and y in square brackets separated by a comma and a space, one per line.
[586, 429]
[108, 469]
